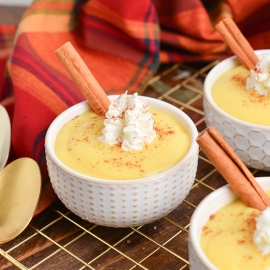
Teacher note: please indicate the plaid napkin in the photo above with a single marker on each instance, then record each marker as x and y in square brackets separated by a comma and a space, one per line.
[122, 42]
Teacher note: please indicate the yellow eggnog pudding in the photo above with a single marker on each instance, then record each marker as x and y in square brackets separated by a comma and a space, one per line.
[230, 94]
[227, 239]
[78, 147]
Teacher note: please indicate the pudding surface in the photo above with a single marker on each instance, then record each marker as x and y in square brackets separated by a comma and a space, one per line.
[227, 238]
[78, 147]
[230, 94]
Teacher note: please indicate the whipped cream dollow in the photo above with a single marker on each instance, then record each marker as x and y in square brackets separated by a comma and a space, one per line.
[129, 123]
[261, 236]
[259, 78]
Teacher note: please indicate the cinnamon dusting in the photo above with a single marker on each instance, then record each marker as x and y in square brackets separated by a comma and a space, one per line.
[251, 220]
[163, 132]
[239, 79]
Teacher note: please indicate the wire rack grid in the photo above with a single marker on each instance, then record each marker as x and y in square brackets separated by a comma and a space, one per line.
[58, 239]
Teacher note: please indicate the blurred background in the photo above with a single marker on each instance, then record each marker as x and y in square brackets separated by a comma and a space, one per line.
[24, 3]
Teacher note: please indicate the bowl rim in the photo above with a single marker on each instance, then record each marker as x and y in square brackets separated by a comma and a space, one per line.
[49, 143]
[200, 209]
[5, 138]
[209, 81]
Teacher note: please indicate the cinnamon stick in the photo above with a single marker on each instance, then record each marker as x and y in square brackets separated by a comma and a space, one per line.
[232, 169]
[83, 78]
[237, 42]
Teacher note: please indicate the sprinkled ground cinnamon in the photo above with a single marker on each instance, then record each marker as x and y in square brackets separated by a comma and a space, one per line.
[239, 79]
[251, 220]
[164, 132]
[206, 230]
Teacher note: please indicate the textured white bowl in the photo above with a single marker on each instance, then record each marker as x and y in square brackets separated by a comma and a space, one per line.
[251, 142]
[208, 206]
[118, 203]
[5, 136]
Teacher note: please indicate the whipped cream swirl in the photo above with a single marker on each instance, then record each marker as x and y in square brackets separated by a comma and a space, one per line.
[129, 123]
[259, 79]
[261, 236]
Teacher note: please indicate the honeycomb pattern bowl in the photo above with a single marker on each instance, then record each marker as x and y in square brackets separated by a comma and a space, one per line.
[208, 206]
[251, 142]
[121, 203]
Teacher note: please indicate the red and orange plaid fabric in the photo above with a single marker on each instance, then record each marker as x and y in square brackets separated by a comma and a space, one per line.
[122, 42]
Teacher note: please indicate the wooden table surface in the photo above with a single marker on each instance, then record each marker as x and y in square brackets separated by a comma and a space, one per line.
[58, 239]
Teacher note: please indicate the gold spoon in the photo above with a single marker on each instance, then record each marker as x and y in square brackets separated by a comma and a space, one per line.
[4, 136]
[20, 186]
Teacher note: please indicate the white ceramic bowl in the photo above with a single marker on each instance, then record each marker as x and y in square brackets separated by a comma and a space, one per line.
[208, 206]
[251, 142]
[5, 136]
[121, 203]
